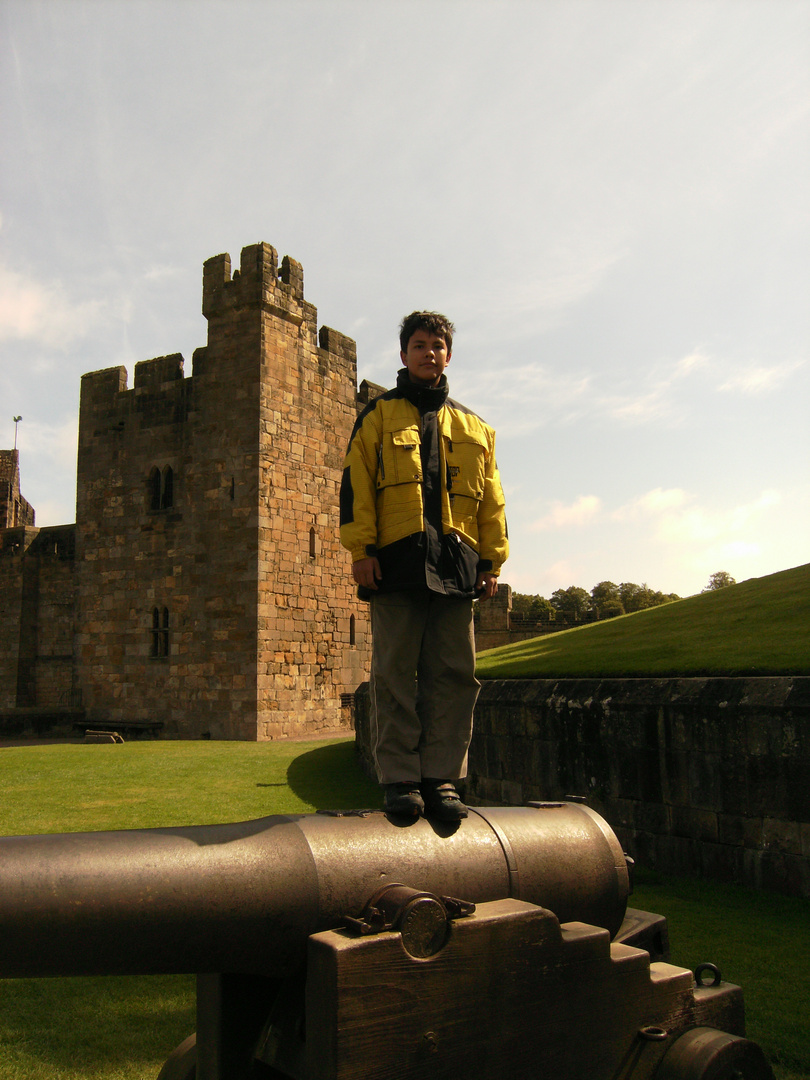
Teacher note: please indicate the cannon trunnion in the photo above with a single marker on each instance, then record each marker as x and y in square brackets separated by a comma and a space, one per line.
[363, 947]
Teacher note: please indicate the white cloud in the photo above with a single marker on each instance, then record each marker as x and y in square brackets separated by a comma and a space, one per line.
[658, 400]
[694, 361]
[562, 570]
[676, 518]
[43, 312]
[533, 396]
[529, 575]
[663, 394]
[570, 278]
[51, 443]
[536, 395]
[759, 378]
[642, 409]
[581, 512]
[656, 502]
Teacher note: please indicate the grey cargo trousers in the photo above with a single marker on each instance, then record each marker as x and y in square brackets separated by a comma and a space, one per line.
[423, 685]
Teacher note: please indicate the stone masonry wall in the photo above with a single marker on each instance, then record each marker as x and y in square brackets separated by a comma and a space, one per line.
[129, 554]
[37, 598]
[12, 548]
[55, 676]
[212, 594]
[495, 625]
[313, 635]
[696, 776]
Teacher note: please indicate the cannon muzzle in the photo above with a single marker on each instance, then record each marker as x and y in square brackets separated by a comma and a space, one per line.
[245, 897]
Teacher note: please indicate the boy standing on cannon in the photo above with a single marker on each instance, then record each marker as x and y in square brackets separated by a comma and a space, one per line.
[422, 513]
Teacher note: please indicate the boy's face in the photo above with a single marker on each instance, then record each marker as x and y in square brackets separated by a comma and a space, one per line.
[426, 357]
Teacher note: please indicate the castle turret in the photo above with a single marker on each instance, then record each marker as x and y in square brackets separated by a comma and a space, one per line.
[14, 509]
[213, 594]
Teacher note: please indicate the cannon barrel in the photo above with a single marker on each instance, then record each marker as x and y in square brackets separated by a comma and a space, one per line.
[244, 897]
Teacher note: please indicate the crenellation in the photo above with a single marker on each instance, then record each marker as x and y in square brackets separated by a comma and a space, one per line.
[258, 263]
[337, 344]
[152, 374]
[257, 284]
[292, 275]
[99, 389]
[216, 277]
[367, 392]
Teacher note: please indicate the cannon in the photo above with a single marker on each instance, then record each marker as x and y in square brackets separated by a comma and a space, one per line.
[359, 946]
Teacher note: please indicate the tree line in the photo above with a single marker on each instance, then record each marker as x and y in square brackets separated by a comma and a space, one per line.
[604, 601]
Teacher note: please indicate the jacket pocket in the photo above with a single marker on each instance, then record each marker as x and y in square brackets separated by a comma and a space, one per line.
[399, 459]
[466, 458]
[459, 567]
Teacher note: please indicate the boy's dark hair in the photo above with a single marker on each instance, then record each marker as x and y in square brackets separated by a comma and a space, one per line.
[431, 321]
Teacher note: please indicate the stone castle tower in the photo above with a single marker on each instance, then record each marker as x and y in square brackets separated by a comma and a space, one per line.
[14, 509]
[211, 592]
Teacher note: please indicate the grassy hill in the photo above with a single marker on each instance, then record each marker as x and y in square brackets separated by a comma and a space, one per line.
[758, 627]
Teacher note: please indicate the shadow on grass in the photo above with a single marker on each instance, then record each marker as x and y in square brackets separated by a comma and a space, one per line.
[85, 1025]
[330, 778]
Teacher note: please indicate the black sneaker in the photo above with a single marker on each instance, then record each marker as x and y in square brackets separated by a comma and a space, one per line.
[442, 801]
[404, 798]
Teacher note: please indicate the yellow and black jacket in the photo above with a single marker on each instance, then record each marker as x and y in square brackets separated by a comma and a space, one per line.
[421, 491]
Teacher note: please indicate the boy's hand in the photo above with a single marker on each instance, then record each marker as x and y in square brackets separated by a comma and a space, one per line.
[367, 572]
[486, 585]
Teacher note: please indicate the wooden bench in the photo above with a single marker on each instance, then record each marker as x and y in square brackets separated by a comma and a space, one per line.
[132, 728]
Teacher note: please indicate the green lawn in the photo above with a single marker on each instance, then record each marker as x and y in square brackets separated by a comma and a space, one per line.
[123, 1028]
[759, 627]
[759, 940]
[143, 785]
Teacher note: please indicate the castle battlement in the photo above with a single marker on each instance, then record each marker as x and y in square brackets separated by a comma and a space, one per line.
[160, 394]
[257, 283]
[152, 374]
[337, 344]
[160, 384]
[100, 388]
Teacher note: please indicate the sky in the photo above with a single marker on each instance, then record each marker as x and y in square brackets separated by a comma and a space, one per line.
[610, 199]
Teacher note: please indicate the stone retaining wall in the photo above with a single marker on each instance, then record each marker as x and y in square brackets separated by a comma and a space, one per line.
[696, 776]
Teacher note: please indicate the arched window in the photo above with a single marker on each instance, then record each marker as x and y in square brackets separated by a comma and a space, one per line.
[161, 488]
